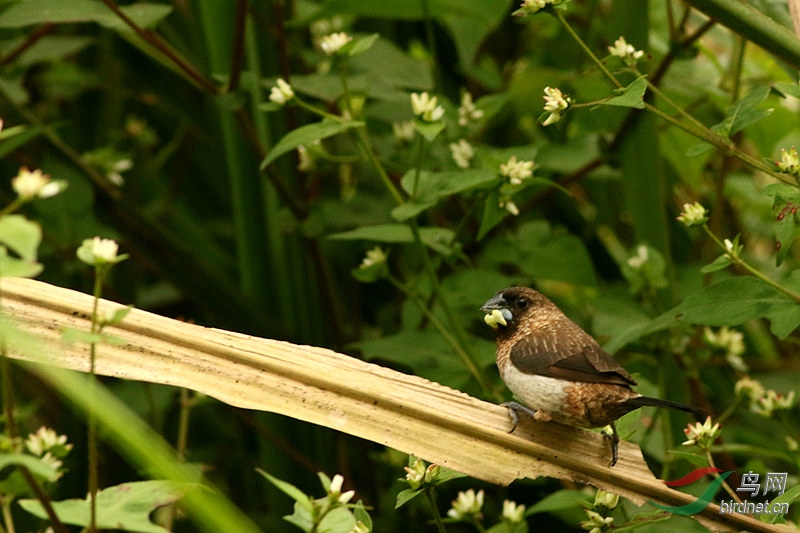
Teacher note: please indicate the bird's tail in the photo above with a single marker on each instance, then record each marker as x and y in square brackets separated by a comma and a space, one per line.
[642, 401]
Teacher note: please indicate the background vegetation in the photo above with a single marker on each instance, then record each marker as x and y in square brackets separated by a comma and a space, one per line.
[158, 117]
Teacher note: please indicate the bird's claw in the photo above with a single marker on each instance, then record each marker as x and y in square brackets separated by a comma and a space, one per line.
[513, 413]
[614, 441]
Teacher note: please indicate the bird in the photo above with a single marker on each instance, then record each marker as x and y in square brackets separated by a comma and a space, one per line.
[556, 370]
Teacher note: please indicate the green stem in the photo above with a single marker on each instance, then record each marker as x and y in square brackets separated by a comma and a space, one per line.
[366, 148]
[186, 403]
[725, 485]
[363, 143]
[8, 519]
[752, 270]
[699, 130]
[13, 206]
[437, 517]
[92, 430]
[729, 411]
[466, 358]
[586, 49]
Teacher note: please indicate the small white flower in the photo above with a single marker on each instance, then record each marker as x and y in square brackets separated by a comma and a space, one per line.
[336, 484]
[693, 214]
[467, 111]
[790, 161]
[403, 131]
[462, 153]
[606, 500]
[772, 401]
[50, 460]
[509, 206]
[43, 440]
[99, 251]
[424, 106]
[627, 52]
[516, 171]
[642, 255]
[750, 388]
[494, 318]
[415, 474]
[281, 93]
[374, 257]
[35, 184]
[533, 6]
[703, 434]
[305, 162]
[360, 527]
[346, 497]
[730, 340]
[596, 522]
[512, 512]
[331, 44]
[466, 504]
[732, 248]
[555, 103]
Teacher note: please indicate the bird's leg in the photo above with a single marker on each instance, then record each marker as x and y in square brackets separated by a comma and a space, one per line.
[614, 440]
[513, 412]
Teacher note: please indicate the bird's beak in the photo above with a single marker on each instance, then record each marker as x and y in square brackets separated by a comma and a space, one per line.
[496, 302]
[497, 312]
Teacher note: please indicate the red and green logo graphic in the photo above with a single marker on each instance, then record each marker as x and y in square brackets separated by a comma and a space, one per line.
[704, 499]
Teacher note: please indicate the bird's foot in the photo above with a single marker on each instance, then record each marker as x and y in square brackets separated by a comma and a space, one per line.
[513, 413]
[614, 440]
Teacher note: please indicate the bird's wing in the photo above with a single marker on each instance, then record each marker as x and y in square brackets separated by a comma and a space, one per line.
[573, 361]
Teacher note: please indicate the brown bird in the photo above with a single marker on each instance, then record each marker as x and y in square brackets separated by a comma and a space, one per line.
[558, 371]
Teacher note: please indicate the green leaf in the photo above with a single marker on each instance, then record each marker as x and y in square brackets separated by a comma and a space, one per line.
[436, 238]
[302, 516]
[119, 315]
[559, 501]
[360, 512]
[287, 488]
[543, 253]
[306, 135]
[632, 95]
[509, 527]
[743, 113]
[21, 235]
[360, 45]
[786, 201]
[17, 136]
[718, 264]
[790, 496]
[73, 335]
[734, 301]
[127, 506]
[436, 185]
[429, 130]
[405, 496]
[11, 267]
[36, 12]
[433, 186]
[411, 209]
[34, 464]
[787, 89]
[337, 520]
[492, 215]
[693, 458]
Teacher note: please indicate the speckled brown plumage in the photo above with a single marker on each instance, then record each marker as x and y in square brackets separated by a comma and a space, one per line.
[556, 369]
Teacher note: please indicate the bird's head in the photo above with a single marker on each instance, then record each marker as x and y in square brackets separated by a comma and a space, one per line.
[506, 308]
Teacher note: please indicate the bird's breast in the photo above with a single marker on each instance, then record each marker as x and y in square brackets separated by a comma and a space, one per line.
[537, 392]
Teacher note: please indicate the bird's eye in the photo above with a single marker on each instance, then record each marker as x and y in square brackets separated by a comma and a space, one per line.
[522, 303]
